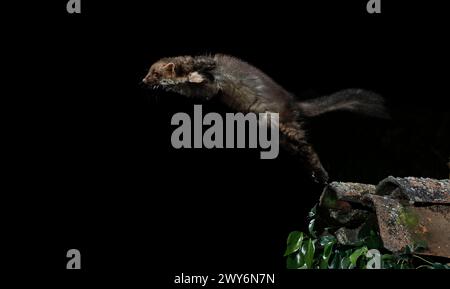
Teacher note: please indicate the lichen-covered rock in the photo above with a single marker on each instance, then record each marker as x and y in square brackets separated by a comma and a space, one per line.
[416, 190]
[346, 236]
[409, 212]
[349, 192]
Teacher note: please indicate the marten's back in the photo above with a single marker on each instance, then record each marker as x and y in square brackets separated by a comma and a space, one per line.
[246, 81]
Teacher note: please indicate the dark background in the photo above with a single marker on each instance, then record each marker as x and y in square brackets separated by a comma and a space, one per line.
[101, 175]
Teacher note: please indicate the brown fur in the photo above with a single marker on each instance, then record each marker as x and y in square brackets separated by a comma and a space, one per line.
[245, 88]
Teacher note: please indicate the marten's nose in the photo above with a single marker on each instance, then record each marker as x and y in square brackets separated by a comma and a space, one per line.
[148, 80]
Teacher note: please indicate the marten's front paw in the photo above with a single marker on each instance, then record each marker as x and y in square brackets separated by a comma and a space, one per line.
[320, 177]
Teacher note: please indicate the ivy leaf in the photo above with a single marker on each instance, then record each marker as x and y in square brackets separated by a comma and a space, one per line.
[308, 250]
[294, 261]
[311, 228]
[355, 255]
[335, 263]
[404, 266]
[345, 263]
[328, 249]
[324, 240]
[373, 241]
[294, 242]
[313, 211]
[387, 261]
[387, 257]
[438, 266]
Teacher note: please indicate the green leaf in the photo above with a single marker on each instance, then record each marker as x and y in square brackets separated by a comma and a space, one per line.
[387, 261]
[438, 266]
[313, 211]
[294, 242]
[308, 250]
[345, 259]
[324, 240]
[387, 257]
[328, 249]
[294, 261]
[311, 228]
[408, 249]
[345, 263]
[373, 241]
[335, 263]
[355, 255]
[404, 266]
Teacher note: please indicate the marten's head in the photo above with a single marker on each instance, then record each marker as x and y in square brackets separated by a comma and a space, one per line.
[184, 75]
[173, 71]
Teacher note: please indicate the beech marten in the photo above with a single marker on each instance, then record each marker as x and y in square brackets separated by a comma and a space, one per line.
[245, 88]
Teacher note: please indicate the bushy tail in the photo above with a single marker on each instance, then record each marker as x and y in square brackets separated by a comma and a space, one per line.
[354, 100]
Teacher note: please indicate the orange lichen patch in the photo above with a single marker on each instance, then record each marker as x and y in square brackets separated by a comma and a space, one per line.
[402, 225]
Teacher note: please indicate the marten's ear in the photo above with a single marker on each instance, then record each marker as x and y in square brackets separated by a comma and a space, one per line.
[195, 77]
[169, 67]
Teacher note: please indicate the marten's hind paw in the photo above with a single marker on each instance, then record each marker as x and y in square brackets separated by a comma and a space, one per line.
[320, 177]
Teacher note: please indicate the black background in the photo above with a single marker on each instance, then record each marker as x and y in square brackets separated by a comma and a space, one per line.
[99, 173]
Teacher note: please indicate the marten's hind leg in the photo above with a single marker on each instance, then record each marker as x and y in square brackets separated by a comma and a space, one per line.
[292, 138]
